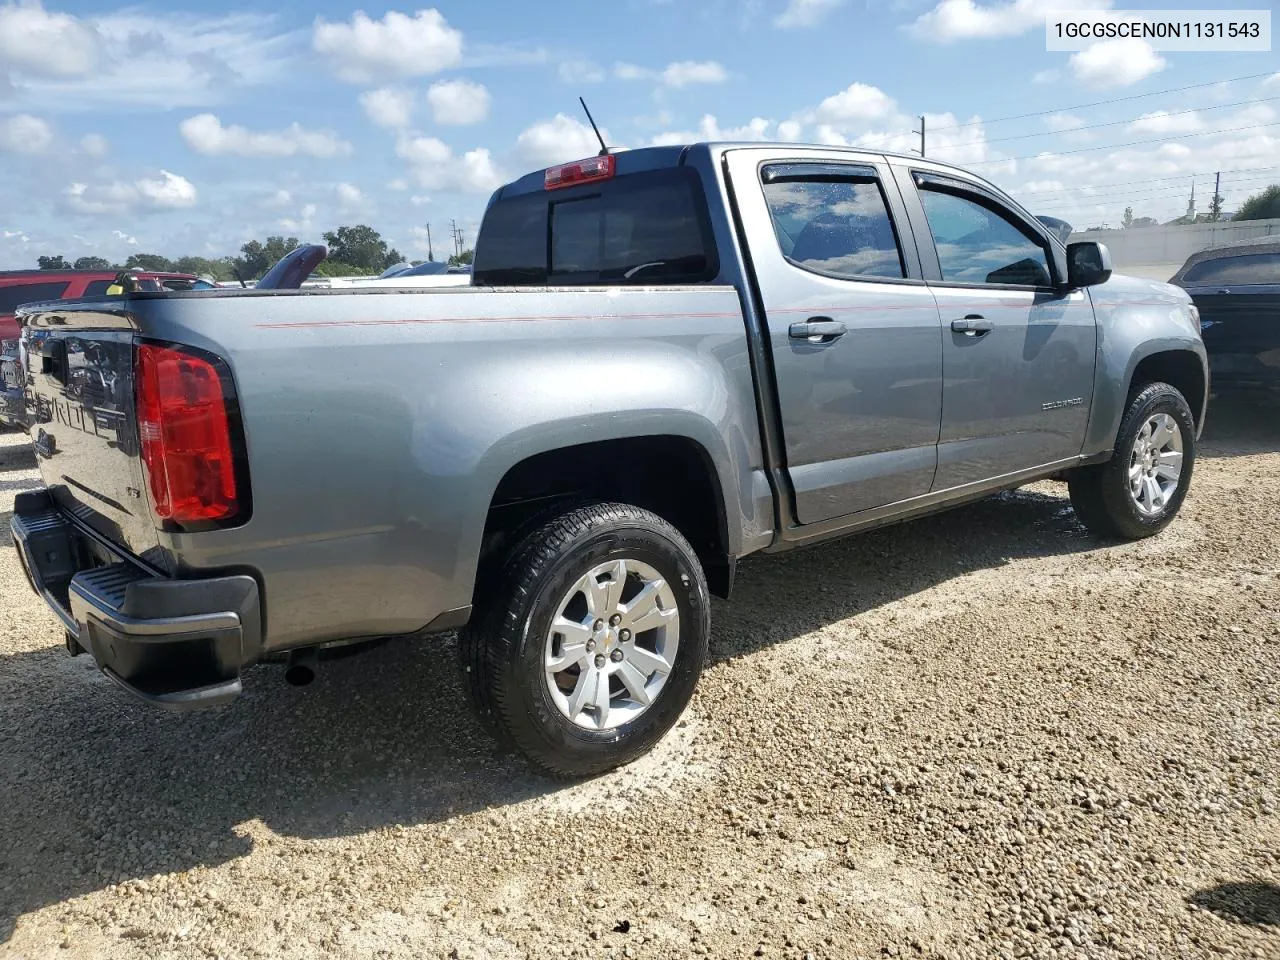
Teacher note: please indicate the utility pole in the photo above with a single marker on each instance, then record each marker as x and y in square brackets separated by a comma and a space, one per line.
[921, 132]
[1216, 206]
[430, 253]
[453, 228]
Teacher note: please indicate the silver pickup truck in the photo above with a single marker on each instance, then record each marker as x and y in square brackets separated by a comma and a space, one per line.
[670, 358]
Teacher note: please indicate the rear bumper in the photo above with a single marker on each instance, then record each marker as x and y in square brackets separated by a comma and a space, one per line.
[177, 644]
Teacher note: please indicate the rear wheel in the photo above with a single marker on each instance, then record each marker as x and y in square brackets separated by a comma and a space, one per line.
[1139, 491]
[590, 638]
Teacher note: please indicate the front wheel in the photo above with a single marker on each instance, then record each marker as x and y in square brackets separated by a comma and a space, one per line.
[589, 639]
[1139, 491]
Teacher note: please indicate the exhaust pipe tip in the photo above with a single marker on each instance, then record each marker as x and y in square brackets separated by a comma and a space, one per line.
[301, 668]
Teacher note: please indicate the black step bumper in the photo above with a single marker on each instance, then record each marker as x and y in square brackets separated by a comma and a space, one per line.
[178, 644]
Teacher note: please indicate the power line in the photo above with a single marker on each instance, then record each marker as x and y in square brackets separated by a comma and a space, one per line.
[1180, 176]
[1121, 146]
[1113, 123]
[1103, 103]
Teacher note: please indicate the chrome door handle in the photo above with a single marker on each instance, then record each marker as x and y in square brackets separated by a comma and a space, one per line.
[818, 330]
[973, 326]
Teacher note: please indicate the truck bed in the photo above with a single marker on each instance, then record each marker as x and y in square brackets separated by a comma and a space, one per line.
[376, 423]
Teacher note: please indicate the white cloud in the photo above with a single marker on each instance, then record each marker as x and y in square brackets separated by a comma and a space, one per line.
[390, 107]
[145, 60]
[458, 102]
[301, 223]
[94, 144]
[1062, 122]
[364, 50]
[857, 102]
[125, 238]
[1161, 121]
[478, 173]
[953, 20]
[398, 184]
[423, 151]
[709, 128]
[39, 43]
[170, 191]
[435, 167]
[629, 71]
[167, 192]
[581, 71]
[1116, 63]
[419, 200]
[805, 13]
[348, 194]
[790, 130]
[674, 75]
[1047, 76]
[688, 72]
[558, 140]
[23, 133]
[206, 134]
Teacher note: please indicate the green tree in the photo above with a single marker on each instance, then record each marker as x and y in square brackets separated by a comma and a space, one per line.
[1261, 206]
[53, 263]
[335, 268]
[257, 258]
[362, 247]
[1215, 207]
[93, 263]
[219, 269]
[462, 259]
[149, 261]
[1127, 220]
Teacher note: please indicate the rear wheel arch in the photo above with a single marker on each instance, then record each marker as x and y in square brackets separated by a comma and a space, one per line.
[671, 475]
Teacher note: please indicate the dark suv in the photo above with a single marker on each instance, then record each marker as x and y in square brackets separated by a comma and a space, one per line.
[1237, 290]
[32, 286]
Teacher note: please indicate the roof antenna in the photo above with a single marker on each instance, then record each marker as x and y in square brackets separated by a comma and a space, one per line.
[604, 151]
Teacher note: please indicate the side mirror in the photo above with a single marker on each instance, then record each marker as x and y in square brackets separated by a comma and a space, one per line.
[1088, 264]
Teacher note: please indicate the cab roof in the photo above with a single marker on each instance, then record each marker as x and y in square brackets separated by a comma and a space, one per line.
[655, 158]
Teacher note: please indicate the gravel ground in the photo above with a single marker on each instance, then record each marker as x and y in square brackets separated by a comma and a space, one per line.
[977, 735]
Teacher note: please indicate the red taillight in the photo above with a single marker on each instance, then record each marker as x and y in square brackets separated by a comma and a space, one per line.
[580, 171]
[185, 436]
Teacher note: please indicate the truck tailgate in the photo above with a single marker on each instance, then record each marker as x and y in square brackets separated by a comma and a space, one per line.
[84, 427]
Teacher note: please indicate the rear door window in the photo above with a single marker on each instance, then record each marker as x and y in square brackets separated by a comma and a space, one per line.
[15, 295]
[1253, 268]
[97, 288]
[639, 228]
[832, 220]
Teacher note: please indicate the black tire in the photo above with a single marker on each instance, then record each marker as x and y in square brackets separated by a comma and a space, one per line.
[1100, 494]
[501, 650]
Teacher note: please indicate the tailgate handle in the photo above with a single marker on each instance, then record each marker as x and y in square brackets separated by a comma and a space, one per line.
[53, 358]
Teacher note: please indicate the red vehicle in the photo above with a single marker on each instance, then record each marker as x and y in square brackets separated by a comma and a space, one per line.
[31, 286]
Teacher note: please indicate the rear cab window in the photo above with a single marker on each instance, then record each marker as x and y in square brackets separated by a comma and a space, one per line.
[15, 295]
[1246, 270]
[650, 227]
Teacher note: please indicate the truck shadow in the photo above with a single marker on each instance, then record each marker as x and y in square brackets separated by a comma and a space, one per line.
[1254, 903]
[98, 789]
[1239, 426]
[16, 453]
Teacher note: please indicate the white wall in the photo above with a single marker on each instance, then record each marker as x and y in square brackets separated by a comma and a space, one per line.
[1158, 252]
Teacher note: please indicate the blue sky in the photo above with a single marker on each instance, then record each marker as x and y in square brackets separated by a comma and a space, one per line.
[191, 129]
